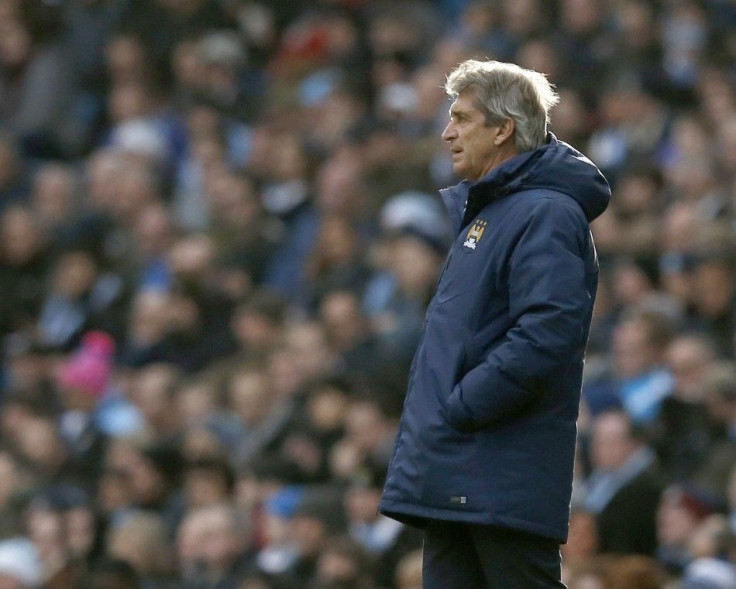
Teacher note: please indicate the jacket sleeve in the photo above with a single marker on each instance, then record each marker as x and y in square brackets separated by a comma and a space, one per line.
[550, 299]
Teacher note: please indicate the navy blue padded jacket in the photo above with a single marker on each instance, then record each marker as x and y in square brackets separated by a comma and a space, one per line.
[488, 431]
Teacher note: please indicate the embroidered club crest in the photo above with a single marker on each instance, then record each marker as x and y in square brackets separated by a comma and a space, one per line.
[475, 233]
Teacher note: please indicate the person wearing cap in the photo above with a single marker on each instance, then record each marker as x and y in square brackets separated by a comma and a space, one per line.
[82, 381]
[483, 460]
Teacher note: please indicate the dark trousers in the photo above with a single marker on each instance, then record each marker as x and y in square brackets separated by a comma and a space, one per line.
[464, 556]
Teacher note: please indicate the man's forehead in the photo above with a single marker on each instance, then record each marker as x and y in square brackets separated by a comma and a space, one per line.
[464, 103]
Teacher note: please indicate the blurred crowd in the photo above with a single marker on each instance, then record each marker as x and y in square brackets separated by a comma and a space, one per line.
[219, 230]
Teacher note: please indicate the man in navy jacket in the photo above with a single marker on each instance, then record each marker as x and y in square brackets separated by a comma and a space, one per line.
[483, 460]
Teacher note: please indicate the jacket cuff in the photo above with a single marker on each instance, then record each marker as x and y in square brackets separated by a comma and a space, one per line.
[458, 415]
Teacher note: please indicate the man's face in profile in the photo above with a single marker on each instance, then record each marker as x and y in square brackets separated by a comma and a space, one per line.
[470, 138]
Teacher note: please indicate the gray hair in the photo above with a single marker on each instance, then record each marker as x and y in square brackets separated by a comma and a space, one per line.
[507, 91]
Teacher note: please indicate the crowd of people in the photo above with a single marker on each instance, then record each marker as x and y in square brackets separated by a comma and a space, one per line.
[220, 228]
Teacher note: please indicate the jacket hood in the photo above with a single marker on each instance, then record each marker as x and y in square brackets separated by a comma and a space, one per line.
[553, 166]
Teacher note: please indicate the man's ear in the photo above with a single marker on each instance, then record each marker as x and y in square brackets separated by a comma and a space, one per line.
[505, 132]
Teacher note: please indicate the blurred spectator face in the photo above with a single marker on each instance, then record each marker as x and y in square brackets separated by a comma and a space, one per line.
[153, 395]
[365, 425]
[718, 98]
[291, 161]
[263, 154]
[611, 443]
[690, 139]
[581, 17]
[147, 485]
[409, 571]
[635, 19]
[679, 228]
[309, 533]
[136, 190]
[713, 288]
[203, 124]
[719, 386]
[255, 331]
[521, 17]
[9, 161]
[726, 151]
[479, 18]
[141, 541]
[361, 503]
[127, 101]
[693, 178]
[588, 580]
[582, 542]
[304, 450]
[183, 314]
[431, 98]
[731, 490]
[10, 478]
[637, 194]
[676, 521]
[187, 65]
[250, 396]
[276, 525]
[40, 443]
[308, 349]
[327, 407]
[126, 59]
[53, 193]
[15, 416]
[633, 351]
[10, 581]
[191, 257]
[15, 44]
[340, 185]
[148, 324]
[80, 527]
[708, 539]
[113, 492]
[233, 201]
[391, 34]
[631, 283]
[26, 371]
[197, 401]
[571, 119]
[415, 265]
[689, 359]
[336, 244]
[343, 319]
[153, 229]
[21, 236]
[339, 567]
[104, 171]
[283, 371]
[222, 57]
[333, 118]
[75, 274]
[208, 539]
[121, 454]
[383, 148]
[47, 532]
[205, 485]
[200, 442]
[539, 55]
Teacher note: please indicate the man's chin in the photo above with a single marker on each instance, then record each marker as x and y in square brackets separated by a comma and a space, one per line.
[459, 170]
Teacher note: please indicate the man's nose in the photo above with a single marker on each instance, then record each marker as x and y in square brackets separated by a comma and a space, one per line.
[449, 133]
